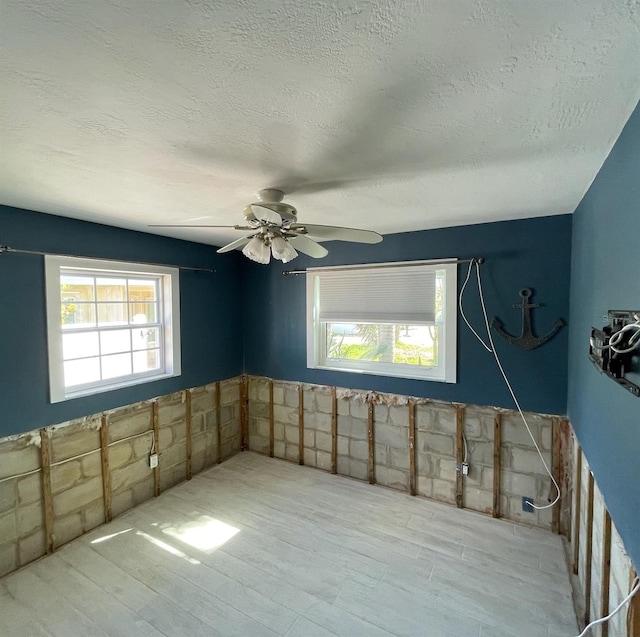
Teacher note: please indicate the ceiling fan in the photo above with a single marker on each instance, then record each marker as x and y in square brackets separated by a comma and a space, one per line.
[274, 230]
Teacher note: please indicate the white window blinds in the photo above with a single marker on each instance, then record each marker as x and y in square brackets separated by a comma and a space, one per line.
[404, 296]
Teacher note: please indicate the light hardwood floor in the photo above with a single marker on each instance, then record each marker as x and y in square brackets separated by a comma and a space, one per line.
[261, 547]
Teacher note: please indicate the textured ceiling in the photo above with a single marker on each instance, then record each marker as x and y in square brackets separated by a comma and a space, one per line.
[378, 114]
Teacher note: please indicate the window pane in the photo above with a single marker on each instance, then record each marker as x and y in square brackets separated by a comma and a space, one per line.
[113, 341]
[141, 290]
[80, 345]
[111, 289]
[146, 360]
[116, 365]
[143, 313]
[384, 343]
[76, 288]
[145, 338]
[112, 314]
[85, 370]
[77, 315]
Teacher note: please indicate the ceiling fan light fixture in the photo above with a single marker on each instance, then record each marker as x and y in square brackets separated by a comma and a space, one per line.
[282, 249]
[257, 250]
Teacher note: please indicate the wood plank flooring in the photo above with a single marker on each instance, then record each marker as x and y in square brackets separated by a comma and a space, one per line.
[261, 547]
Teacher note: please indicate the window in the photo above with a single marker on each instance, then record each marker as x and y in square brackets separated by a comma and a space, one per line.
[392, 321]
[110, 325]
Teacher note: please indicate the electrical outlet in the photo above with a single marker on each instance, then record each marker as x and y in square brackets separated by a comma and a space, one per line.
[153, 460]
[527, 504]
[465, 469]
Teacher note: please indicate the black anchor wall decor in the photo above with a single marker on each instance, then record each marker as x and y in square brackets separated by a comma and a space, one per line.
[526, 340]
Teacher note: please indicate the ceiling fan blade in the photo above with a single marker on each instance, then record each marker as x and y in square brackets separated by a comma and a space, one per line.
[307, 246]
[266, 214]
[234, 245]
[195, 225]
[339, 234]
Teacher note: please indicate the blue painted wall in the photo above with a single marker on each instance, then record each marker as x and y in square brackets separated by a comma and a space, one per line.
[605, 276]
[210, 314]
[531, 253]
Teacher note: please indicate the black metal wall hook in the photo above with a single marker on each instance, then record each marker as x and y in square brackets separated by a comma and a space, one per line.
[526, 340]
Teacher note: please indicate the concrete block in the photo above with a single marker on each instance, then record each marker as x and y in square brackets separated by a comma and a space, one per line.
[444, 420]
[31, 547]
[527, 461]
[291, 398]
[285, 415]
[8, 498]
[197, 424]
[358, 469]
[171, 413]
[424, 417]
[123, 477]
[8, 558]
[278, 431]
[354, 428]
[515, 433]
[446, 469]
[323, 460]
[518, 484]
[380, 454]
[399, 458]
[278, 395]
[343, 406]
[478, 500]
[323, 441]
[16, 457]
[358, 408]
[424, 486]
[176, 454]
[30, 518]
[140, 447]
[279, 449]
[480, 452]
[399, 415]
[343, 446]
[64, 476]
[121, 502]
[91, 465]
[259, 390]
[310, 457]
[93, 515]
[128, 422]
[359, 449]
[380, 413]
[226, 415]
[67, 528]
[74, 440]
[392, 478]
[77, 497]
[309, 400]
[443, 490]
[260, 410]
[165, 438]
[229, 392]
[546, 435]
[424, 464]
[292, 452]
[202, 401]
[8, 527]
[120, 453]
[143, 491]
[472, 426]
[29, 488]
[179, 431]
[343, 466]
[441, 444]
[309, 438]
[324, 402]
[292, 434]
[393, 436]
[318, 421]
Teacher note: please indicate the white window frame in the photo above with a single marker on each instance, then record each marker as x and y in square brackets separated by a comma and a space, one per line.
[169, 308]
[444, 372]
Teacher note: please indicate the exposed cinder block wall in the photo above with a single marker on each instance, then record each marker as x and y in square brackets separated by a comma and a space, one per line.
[77, 492]
[522, 473]
[592, 533]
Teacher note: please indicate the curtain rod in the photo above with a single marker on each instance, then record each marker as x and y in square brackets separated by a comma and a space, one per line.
[399, 264]
[5, 249]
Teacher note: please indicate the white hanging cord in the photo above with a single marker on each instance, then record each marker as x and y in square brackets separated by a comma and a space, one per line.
[464, 285]
[602, 620]
[492, 349]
